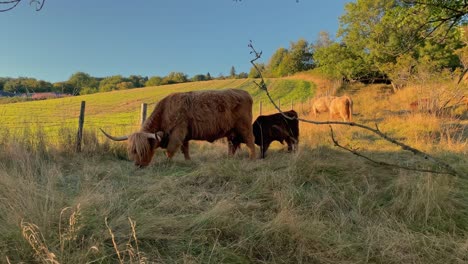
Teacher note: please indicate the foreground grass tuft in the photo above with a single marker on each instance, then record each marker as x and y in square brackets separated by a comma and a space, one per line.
[319, 205]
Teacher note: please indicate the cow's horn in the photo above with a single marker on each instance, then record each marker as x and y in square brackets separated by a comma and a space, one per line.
[122, 138]
[149, 135]
[159, 135]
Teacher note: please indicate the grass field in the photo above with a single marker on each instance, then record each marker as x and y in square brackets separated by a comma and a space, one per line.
[319, 205]
[120, 110]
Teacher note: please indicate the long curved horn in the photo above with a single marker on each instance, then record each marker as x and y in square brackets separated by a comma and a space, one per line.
[149, 135]
[122, 138]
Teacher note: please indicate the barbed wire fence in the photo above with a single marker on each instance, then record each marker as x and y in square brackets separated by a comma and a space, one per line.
[78, 117]
[84, 117]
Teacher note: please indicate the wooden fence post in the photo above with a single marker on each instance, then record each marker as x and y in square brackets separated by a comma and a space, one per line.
[144, 107]
[79, 136]
[260, 108]
[292, 104]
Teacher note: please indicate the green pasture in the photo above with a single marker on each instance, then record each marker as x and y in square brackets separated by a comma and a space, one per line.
[120, 110]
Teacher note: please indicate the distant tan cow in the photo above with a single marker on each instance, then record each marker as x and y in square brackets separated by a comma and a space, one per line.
[322, 104]
[342, 107]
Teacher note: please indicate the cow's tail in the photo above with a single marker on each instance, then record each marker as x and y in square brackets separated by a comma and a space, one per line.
[350, 109]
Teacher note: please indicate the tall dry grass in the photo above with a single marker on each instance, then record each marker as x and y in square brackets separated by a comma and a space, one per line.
[318, 205]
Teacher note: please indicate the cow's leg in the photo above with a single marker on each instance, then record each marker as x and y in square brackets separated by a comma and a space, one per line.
[175, 143]
[292, 144]
[345, 115]
[349, 110]
[249, 141]
[230, 147]
[185, 150]
[234, 142]
[264, 148]
[342, 115]
[245, 132]
[235, 147]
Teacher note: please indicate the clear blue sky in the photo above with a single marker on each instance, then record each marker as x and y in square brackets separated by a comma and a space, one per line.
[154, 37]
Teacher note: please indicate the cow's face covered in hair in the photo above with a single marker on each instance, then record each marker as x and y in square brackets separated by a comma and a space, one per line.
[141, 147]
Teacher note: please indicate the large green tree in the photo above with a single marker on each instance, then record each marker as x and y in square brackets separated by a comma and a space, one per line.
[175, 77]
[154, 81]
[276, 66]
[81, 80]
[289, 61]
[137, 81]
[110, 83]
[339, 61]
[390, 38]
[198, 78]
[300, 57]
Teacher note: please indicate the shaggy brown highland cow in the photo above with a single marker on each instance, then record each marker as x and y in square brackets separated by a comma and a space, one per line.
[199, 115]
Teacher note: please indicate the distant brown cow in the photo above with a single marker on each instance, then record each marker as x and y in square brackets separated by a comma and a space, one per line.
[342, 107]
[322, 104]
[201, 115]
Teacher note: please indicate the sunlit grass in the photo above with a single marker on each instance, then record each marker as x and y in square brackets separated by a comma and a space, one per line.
[318, 205]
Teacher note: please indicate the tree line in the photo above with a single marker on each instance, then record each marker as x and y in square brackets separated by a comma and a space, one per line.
[83, 83]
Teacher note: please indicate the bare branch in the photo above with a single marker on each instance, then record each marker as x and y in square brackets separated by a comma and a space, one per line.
[9, 2]
[39, 4]
[381, 163]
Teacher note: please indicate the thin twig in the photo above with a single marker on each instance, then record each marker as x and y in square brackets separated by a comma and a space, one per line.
[16, 2]
[39, 4]
[381, 163]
